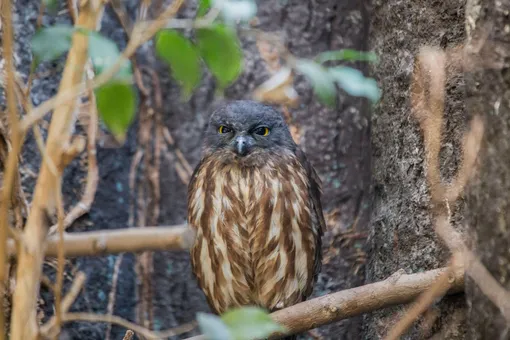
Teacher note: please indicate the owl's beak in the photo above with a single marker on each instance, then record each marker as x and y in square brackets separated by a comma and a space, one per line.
[242, 145]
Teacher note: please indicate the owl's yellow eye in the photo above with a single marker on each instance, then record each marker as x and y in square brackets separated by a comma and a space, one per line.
[262, 131]
[223, 129]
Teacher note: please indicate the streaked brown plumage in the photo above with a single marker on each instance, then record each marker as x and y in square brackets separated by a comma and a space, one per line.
[254, 201]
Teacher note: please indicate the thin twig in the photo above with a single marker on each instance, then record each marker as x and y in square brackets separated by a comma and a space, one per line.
[438, 289]
[129, 335]
[85, 203]
[60, 256]
[51, 328]
[113, 290]
[494, 291]
[113, 319]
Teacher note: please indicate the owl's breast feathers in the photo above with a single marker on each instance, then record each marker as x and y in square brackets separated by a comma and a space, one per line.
[258, 231]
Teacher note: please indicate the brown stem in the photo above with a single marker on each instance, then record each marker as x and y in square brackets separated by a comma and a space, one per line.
[12, 158]
[24, 320]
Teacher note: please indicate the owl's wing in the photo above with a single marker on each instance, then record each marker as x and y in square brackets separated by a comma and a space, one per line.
[315, 191]
[193, 179]
[315, 188]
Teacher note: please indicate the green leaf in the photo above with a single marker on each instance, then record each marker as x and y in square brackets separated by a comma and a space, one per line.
[346, 55]
[51, 42]
[248, 323]
[116, 103]
[355, 83]
[219, 47]
[203, 7]
[182, 57]
[51, 5]
[213, 327]
[104, 53]
[322, 82]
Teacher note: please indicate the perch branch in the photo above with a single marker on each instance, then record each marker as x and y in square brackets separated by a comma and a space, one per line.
[95, 243]
[397, 289]
[24, 320]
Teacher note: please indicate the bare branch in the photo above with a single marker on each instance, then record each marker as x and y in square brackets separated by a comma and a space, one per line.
[12, 157]
[496, 293]
[83, 206]
[397, 289]
[24, 320]
[96, 243]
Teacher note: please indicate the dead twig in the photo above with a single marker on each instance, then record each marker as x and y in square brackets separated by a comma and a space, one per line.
[51, 328]
[437, 290]
[113, 290]
[494, 291]
[129, 325]
[129, 335]
[85, 203]
[60, 257]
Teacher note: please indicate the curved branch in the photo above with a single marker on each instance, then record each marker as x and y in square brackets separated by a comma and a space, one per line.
[397, 289]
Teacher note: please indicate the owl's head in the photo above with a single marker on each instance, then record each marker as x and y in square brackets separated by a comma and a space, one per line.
[244, 130]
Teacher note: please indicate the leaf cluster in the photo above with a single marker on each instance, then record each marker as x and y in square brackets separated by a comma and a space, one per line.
[215, 45]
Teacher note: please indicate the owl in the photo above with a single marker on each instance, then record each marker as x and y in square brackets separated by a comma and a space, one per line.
[254, 204]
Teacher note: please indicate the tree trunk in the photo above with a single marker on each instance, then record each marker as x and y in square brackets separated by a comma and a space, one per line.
[489, 196]
[402, 235]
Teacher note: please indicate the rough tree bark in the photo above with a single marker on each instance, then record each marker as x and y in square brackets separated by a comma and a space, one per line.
[336, 140]
[488, 94]
[402, 235]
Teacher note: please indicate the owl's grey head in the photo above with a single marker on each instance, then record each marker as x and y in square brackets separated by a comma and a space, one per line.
[246, 129]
